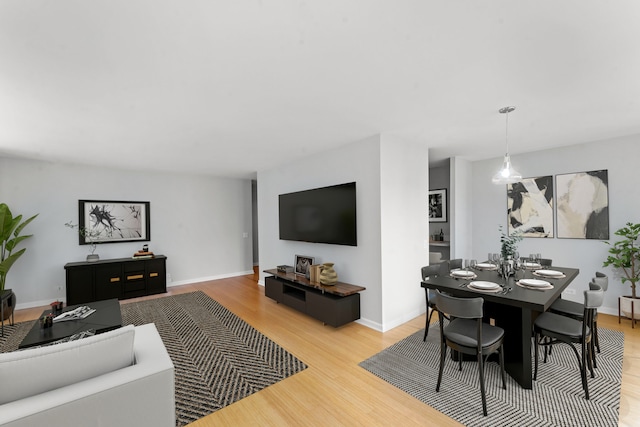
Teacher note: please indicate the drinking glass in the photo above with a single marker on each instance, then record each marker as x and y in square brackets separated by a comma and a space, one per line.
[473, 263]
[539, 259]
[466, 264]
[494, 258]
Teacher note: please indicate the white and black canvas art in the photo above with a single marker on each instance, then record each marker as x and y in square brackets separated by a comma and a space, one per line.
[583, 205]
[530, 207]
[107, 221]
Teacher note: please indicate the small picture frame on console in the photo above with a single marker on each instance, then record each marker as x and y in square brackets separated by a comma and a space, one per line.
[302, 264]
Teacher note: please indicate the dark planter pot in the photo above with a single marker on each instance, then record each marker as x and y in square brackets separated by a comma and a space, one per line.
[8, 303]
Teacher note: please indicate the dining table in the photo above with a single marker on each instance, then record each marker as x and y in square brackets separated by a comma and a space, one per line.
[513, 306]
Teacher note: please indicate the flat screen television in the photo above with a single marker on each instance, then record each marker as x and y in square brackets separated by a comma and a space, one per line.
[320, 215]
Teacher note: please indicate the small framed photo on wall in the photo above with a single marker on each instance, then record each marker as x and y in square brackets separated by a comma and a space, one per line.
[438, 205]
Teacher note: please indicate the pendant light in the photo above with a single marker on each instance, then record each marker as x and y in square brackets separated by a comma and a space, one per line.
[507, 175]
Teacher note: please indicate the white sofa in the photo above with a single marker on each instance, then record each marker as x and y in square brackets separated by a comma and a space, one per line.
[119, 378]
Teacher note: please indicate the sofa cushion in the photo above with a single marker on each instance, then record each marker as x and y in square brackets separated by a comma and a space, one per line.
[34, 371]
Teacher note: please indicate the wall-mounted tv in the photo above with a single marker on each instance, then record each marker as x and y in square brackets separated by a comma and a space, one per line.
[320, 215]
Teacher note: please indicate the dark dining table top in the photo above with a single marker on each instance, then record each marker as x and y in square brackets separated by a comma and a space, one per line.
[532, 299]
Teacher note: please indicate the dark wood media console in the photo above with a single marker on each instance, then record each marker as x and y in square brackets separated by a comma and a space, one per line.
[333, 305]
[119, 278]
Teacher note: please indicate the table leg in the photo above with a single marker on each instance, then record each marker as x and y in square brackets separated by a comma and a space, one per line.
[517, 324]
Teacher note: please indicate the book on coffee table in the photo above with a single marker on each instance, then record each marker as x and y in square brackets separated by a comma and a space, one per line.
[75, 314]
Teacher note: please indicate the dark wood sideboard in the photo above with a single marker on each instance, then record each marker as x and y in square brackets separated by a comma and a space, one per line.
[119, 278]
[333, 305]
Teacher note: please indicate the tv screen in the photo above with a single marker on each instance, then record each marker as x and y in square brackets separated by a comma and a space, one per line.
[321, 215]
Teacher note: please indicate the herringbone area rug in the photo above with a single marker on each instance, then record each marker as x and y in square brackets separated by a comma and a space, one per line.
[557, 398]
[219, 358]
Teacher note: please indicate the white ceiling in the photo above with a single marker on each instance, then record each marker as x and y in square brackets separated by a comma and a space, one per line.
[230, 87]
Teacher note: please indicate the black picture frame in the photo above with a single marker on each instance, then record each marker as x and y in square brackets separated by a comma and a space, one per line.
[437, 206]
[113, 221]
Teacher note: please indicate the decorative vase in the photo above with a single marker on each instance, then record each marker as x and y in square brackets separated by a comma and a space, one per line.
[625, 306]
[8, 303]
[506, 267]
[93, 257]
[328, 275]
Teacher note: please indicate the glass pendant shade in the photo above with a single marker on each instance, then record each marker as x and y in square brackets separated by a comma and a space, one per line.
[507, 175]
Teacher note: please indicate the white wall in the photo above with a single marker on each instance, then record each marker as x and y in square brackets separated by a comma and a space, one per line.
[196, 221]
[392, 281]
[461, 209]
[619, 156]
[405, 226]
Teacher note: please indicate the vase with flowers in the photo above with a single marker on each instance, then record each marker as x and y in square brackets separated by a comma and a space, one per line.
[508, 250]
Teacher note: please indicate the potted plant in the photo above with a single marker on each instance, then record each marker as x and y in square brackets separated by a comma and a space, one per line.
[509, 244]
[625, 255]
[10, 238]
[90, 235]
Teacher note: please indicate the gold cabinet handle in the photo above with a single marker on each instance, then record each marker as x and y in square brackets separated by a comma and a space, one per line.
[135, 277]
[114, 279]
[153, 274]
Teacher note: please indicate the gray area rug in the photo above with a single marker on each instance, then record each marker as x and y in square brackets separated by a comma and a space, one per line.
[557, 398]
[219, 358]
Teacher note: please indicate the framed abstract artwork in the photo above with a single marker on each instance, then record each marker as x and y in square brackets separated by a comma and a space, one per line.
[582, 205]
[530, 207]
[108, 221]
[438, 205]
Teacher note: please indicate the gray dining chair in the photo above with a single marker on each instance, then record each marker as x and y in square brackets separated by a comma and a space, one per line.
[551, 328]
[455, 264]
[466, 333]
[430, 295]
[575, 310]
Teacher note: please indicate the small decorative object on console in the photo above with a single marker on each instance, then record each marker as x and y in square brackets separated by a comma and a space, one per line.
[314, 273]
[302, 264]
[145, 253]
[328, 275]
[285, 269]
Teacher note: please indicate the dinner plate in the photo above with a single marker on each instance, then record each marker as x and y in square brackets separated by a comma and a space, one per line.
[485, 265]
[532, 265]
[549, 273]
[462, 273]
[535, 283]
[484, 285]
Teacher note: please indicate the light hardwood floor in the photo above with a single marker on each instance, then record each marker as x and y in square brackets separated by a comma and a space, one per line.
[334, 390]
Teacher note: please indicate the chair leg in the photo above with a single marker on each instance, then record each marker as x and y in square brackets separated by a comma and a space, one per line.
[504, 380]
[536, 336]
[595, 335]
[443, 353]
[592, 351]
[583, 369]
[591, 358]
[481, 372]
[426, 326]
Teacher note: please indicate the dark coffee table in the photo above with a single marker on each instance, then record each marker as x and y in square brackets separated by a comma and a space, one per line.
[106, 318]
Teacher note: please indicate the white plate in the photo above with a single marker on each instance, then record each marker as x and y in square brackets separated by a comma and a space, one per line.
[535, 283]
[549, 273]
[484, 285]
[462, 273]
[532, 265]
[485, 265]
